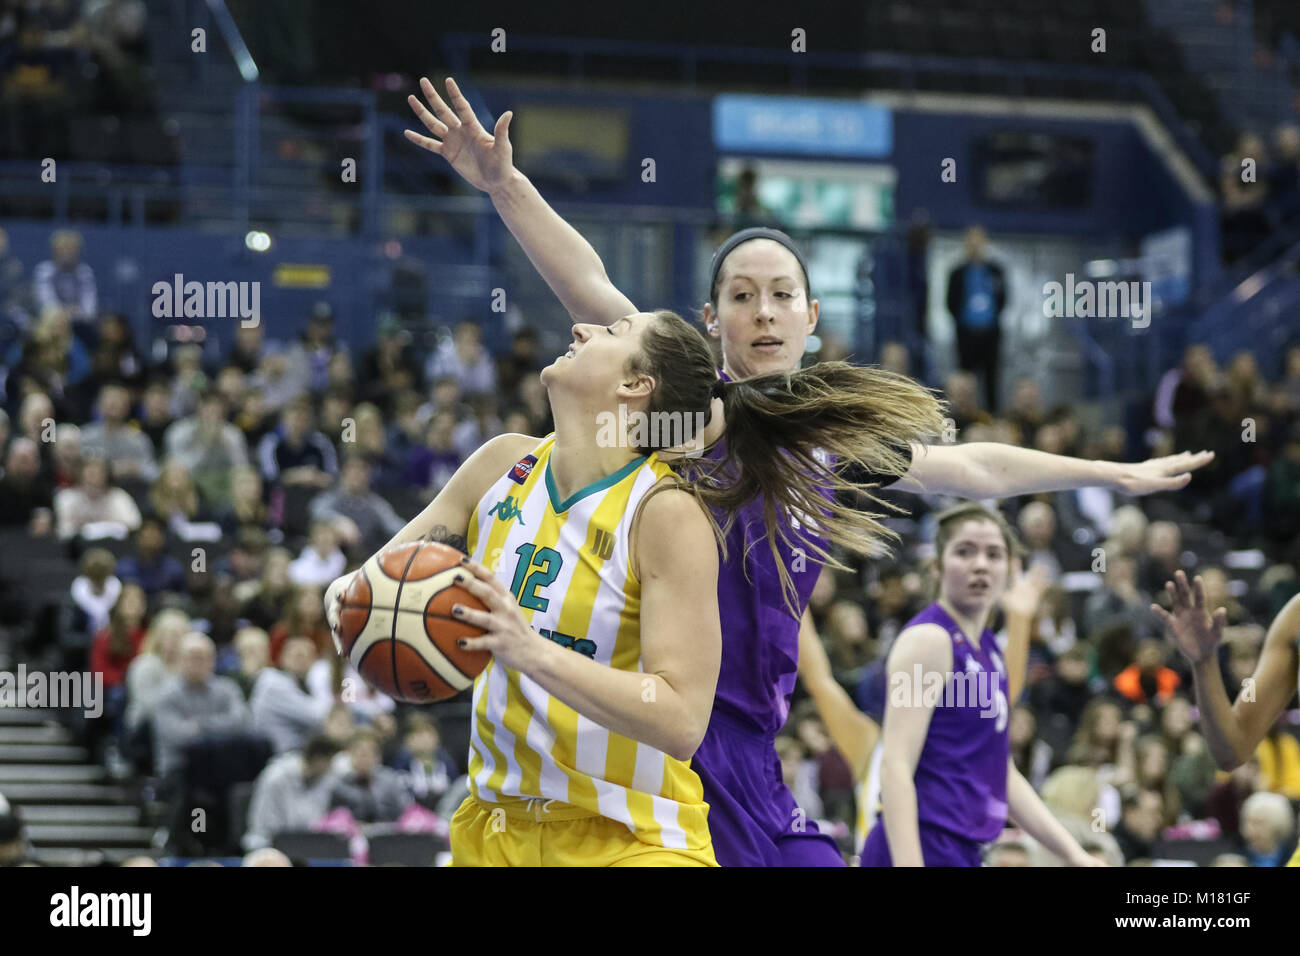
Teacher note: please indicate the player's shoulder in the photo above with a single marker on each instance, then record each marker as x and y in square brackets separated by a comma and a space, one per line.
[669, 523]
[922, 642]
[1285, 629]
[499, 453]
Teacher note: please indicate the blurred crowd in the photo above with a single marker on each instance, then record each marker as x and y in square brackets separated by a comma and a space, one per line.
[1259, 187]
[1106, 727]
[64, 60]
[202, 503]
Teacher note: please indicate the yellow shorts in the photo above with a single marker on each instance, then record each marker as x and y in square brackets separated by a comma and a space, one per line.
[549, 833]
[1295, 859]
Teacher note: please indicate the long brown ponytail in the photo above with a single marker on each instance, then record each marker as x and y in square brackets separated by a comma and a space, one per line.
[790, 441]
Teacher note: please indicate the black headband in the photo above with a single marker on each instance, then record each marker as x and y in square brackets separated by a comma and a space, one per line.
[755, 232]
[718, 387]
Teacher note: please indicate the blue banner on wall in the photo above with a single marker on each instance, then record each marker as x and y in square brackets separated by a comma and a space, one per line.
[791, 124]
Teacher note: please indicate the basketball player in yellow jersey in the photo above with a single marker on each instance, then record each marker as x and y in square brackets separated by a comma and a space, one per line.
[856, 734]
[1233, 729]
[599, 571]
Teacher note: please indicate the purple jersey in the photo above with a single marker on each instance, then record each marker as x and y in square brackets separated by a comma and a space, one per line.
[961, 777]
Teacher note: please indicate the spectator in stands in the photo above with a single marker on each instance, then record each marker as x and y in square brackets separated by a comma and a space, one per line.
[1128, 528]
[64, 280]
[848, 641]
[427, 768]
[159, 660]
[1283, 175]
[374, 518]
[254, 650]
[200, 703]
[1118, 600]
[96, 589]
[149, 567]
[464, 358]
[431, 464]
[117, 643]
[1228, 794]
[309, 357]
[264, 604]
[322, 560]
[232, 384]
[115, 358]
[292, 793]
[1059, 699]
[977, 294]
[390, 368]
[1037, 524]
[94, 509]
[210, 447]
[17, 302]
[155, 415]
[36, 421]
[1026, 411]
[69, 456]
[13, 838]
[1142, 816]
[189, 382]
[1147, 680]
[175, 500]
[283, 708]
[303, 614]
[127, 449]
[25, 500]
[247, 505]
[50, 360]
[295, 455]
[247, 559]
[519, 364]
[1267, 829]
[1217, 594]
[387, 470]
[963, 403]
[1282, 493]
[1096, 742]
[1162, 556]
[1032, 756]
[371, 792]
[1279, 761]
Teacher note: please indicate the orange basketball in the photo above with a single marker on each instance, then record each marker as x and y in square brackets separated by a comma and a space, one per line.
[396, 626]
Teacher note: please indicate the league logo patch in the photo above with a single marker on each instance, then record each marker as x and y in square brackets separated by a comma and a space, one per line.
[523, 468]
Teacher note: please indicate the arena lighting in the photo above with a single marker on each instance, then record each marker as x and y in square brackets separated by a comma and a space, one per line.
[257, 241]
[813, 344]
[1101, 268]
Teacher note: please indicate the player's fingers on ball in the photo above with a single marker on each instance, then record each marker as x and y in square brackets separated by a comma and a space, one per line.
[471, 616]
[474, 643]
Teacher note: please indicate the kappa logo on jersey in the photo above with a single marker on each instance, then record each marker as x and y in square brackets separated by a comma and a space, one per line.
[523, 468]
[507, 510]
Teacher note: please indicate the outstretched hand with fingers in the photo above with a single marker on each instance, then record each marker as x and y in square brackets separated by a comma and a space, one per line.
[484, 160]
[1159, 474]
[1025, 594]
[512, 642]
[1192, 627]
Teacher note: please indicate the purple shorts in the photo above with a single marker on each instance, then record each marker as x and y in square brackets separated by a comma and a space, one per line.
[938, 848]
[753, 817]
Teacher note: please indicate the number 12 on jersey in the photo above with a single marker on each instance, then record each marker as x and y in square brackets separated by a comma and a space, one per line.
[537, 568]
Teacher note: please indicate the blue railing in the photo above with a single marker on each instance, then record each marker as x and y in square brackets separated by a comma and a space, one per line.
[1020, 75]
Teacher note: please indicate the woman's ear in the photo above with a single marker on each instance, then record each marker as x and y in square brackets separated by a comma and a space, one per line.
[711, 324]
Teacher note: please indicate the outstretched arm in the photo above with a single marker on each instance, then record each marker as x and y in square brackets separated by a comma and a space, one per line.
[1232, 730]
[1027, 811]
[854, 733]
[564, 259]
[993, 470]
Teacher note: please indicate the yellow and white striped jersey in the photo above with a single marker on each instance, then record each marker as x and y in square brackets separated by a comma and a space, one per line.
[568, 565]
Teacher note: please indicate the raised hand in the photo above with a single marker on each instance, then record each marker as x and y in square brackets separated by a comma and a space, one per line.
[484, 160]
[1026, 591]
[1190, 625]
[1159, 474]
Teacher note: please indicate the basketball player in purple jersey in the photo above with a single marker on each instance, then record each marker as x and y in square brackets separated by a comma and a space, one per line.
[761, 310]
[948, 783]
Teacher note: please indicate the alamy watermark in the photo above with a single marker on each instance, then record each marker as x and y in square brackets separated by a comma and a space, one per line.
[974, 688]
[1088, 299]
[212, 300]
[72, 690]
[637, 429]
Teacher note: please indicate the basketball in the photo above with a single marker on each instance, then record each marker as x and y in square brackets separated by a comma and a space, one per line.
[396, 626]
